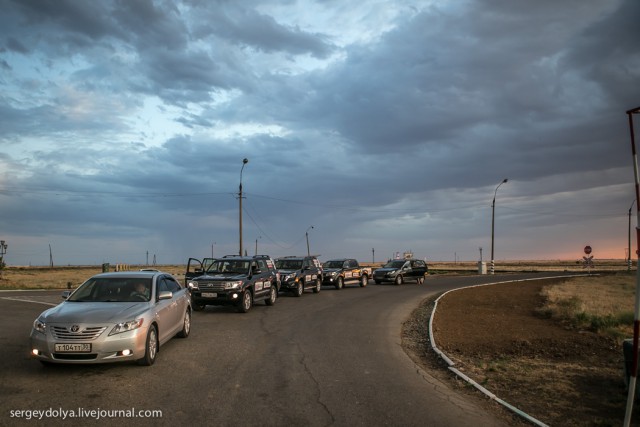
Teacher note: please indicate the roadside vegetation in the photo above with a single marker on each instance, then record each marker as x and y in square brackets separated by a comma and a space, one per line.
[604, 304]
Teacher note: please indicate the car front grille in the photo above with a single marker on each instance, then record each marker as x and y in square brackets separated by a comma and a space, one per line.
[82, 334]
[215, 286]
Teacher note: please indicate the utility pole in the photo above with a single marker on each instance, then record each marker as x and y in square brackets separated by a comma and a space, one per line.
[3, 251]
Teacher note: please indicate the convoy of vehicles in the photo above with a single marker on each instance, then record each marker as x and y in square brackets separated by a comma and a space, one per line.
[128, 315]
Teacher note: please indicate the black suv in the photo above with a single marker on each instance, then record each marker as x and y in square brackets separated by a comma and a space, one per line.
[400, 270]
[298, 273]
[236, 280]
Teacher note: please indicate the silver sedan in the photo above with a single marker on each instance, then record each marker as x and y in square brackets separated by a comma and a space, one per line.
[113, 317]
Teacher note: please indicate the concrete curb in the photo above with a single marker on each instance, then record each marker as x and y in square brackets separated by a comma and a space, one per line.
[464, 377]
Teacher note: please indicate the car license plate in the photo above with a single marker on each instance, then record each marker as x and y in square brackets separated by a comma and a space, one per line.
[73, 348]
[209, 294]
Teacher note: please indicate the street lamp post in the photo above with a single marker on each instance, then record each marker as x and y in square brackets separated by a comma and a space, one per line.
[244, 162]
[306, 233]
[493, 221]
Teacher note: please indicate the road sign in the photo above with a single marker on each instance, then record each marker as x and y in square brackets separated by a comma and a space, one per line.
[587, 250]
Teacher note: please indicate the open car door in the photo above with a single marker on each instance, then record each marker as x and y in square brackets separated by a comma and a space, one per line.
[196, 268]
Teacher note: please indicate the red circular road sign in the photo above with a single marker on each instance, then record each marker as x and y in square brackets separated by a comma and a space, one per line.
[587, 250]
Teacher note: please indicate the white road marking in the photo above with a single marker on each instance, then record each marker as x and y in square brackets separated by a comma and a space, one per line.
[28, 300]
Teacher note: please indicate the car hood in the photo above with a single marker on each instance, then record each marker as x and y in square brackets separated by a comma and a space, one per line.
[386, 269]
[94, 312]
[331, 270]
[218, 277]
[286, 271]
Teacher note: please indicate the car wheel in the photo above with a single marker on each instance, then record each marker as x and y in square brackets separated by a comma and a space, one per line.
[318, 286]
[398, 280]
[299, 290]
[364, 281]
[273, 295]
[150, 348]
[339, 283]
[378, 282]
[246, 302]
[186, 325]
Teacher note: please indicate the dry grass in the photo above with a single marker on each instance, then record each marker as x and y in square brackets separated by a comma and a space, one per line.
[604, 304]
[62, 277]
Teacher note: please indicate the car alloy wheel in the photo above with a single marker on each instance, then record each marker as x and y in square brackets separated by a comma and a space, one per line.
[151, 347]
[299, 289]
[246, 302]
[186, 325]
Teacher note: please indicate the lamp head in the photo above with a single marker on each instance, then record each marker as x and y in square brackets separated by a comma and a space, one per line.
[245, 161]
[505, 180]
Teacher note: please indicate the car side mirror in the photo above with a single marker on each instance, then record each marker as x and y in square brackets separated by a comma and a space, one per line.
[165, 295]
[65, 294]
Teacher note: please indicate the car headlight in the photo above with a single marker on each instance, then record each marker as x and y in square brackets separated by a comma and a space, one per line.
[126, 326]
[232, 285]
[192, 285]
[39, 326]
[392, 273]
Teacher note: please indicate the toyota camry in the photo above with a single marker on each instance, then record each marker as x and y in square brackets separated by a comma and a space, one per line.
[112, 317]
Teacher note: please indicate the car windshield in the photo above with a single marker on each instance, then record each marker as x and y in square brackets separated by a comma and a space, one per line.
[394, 264]
[233, 266]
[289, 264]
[113, 289]
[333, 264]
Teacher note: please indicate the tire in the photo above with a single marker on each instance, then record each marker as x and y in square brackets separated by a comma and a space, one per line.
[197, 307]
[150, 348]
[378, 282]
[318, 286]
[186, 325]
[339, 283]
[364, 280]
[299, 290]
[246, 302]
[273, 295]
[398, 280]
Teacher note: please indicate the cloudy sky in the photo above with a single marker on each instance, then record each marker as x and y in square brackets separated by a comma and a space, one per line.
[385, 125]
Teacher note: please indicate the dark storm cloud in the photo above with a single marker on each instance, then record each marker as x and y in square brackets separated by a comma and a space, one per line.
[487, 79]
[131, 118]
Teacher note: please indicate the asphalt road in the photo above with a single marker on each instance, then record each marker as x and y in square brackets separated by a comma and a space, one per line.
[327, 359]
